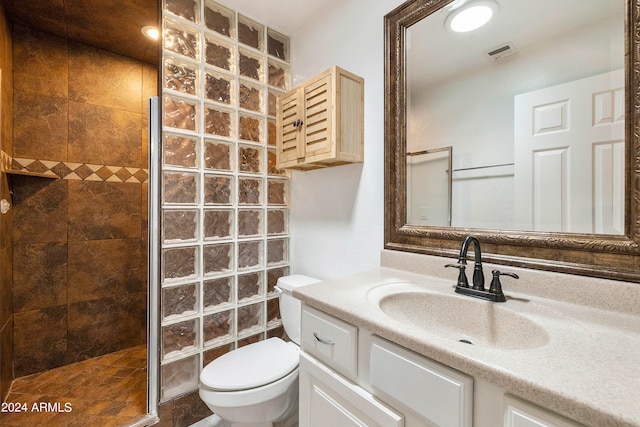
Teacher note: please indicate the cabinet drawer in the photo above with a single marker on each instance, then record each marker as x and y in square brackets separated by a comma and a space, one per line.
[518, 413]
[438, 394]
[331, 340]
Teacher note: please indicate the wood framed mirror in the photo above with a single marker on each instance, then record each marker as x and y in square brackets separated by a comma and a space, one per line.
[590, 252]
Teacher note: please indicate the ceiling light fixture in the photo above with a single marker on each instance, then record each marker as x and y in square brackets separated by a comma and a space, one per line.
[471, 16]
[150, 32]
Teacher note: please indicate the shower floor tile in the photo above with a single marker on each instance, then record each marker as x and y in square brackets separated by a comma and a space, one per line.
[106, 391]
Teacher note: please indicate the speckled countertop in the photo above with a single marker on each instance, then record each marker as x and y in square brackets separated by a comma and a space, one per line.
[577, 354]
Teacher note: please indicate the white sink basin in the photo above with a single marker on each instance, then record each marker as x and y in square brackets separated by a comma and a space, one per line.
[460, 318]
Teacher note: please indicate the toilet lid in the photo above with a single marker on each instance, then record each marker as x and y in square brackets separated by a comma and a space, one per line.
[251, 366]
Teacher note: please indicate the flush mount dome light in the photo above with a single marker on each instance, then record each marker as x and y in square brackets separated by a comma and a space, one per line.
[150, 32]
[471, 16]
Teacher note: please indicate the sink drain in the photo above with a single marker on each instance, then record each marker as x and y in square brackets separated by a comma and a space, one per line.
[466, 341]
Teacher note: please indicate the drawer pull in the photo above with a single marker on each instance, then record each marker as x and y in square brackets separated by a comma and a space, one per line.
[322, 340]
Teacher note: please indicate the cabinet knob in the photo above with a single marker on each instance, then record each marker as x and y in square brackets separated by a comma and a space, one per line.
[297, 123]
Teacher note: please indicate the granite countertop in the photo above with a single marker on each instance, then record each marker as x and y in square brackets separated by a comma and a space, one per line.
[585, 367]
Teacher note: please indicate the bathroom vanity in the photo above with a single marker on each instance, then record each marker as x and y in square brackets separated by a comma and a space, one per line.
[397, 347]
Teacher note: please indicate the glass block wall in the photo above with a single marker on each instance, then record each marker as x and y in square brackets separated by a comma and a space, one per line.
[225, 217]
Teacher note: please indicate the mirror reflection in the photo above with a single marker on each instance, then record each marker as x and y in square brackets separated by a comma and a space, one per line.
[518, 124]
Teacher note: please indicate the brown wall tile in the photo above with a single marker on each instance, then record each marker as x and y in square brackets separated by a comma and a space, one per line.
[40, 126]
[6, 358]
[6, 297]
[40, 340]
[102, 268]
[41, 63]
[103, 326]
[103, 136]
[39, 276]
[189, 409]
[103, 78]
[39, 210]
[104, 210]
[6, 84]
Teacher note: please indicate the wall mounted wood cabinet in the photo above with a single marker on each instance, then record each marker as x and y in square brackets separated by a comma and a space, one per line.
[321, 122]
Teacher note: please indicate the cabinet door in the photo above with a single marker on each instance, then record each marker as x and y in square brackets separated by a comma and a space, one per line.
[327, 399]
[289, 134]
[318, 126]
[519, 413]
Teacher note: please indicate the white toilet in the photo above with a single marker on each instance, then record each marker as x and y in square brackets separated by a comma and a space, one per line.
[257, 385]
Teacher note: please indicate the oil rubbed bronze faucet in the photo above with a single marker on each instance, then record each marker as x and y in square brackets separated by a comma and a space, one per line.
[494, 293]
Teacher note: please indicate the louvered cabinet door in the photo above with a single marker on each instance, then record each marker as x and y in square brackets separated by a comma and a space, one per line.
[289, 137]
[317, 127]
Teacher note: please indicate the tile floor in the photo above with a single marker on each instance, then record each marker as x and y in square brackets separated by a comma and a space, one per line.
[106, 391]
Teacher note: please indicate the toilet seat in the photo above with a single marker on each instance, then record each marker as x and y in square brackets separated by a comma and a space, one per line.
[251, 366]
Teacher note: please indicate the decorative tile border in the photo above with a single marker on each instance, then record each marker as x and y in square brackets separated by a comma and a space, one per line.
[75, 171]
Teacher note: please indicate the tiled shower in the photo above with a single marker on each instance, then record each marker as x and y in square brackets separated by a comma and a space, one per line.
[224, 205]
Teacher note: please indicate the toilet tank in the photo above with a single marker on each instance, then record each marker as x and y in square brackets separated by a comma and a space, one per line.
[290, 307]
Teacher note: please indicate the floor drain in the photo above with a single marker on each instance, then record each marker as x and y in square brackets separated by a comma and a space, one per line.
[466, 341]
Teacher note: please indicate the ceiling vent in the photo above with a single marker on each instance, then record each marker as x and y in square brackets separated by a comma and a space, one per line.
[502, 52]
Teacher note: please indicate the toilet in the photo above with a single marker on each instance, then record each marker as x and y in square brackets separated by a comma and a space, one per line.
[257, 385]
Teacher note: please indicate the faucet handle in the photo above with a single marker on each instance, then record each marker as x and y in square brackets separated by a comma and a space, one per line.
[462, 276]
[496, 286]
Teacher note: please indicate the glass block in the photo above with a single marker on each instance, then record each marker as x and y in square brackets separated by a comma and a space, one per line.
[218, 224]
[179, 338]
[218, 189]
[250, 32]
[277, 45]
[250, 255]
[273, 275]
[210, 355]
[249, 317]
[250, 128]
[250, 96]
[218, 259]
[273, 311]
[278, 192]
[217, 292]
[250, 159]
[277, 332]
[179, 188]
[218, 121]
[179, 225]
[187, 9]
[180, 113]
[180, 76]
[217, 155]
[272, 161]
[250, 222]
[250, 339]
[179, 263]
[179, 301]
[220, 53]
[271, 133]
[250, 65]
[277, 251]
[249, 286]
[180, 376]
[249, 191]
[180, 39]
[179, 150]
[219, 19]
[218, 87]
[217, 327]
[278, 75]
[277, 221]
[272, 101]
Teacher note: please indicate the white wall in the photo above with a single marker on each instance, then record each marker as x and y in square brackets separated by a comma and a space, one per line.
[337, 220]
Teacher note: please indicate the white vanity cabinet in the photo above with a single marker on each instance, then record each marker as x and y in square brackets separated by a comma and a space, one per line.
[351, 377]
[375, 383]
